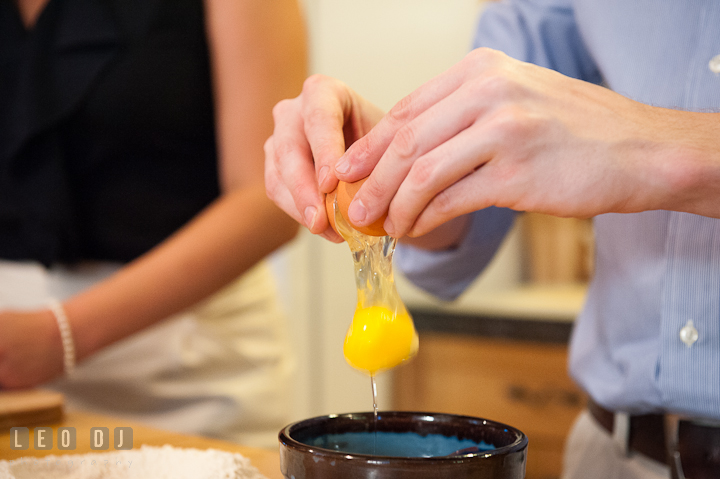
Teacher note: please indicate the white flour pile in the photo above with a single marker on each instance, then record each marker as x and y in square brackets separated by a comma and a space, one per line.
[145, 463]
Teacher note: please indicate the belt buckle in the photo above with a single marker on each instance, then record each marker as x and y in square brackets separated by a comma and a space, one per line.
[707, 464]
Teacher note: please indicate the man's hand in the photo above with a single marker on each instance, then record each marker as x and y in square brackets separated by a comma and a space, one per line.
[311, 132]
[496, 131]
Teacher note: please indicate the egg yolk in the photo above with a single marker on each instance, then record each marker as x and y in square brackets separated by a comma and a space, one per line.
[379, 339]
[382, 334]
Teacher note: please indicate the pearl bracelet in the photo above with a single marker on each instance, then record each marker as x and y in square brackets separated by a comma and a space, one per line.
[65, 336]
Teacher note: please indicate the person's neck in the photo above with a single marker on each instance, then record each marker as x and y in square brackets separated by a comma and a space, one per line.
[30, 11]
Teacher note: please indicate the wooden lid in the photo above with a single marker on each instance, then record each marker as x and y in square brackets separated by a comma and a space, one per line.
[30, 407]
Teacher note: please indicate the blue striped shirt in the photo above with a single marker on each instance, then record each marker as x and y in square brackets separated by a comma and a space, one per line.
[654, 270]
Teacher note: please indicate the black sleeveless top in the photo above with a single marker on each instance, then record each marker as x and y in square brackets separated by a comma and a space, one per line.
[107, 141]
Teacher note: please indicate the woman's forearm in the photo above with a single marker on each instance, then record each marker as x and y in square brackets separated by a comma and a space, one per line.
[225, 240]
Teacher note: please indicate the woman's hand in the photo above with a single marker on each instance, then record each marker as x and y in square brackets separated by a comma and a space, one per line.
[496, 131]
[311, 132]
[31, 351]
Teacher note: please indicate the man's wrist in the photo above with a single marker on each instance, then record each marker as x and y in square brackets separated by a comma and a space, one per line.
[445, 237]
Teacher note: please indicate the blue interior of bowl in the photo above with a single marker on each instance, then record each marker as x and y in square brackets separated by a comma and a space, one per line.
[403, 434]
[396, 444]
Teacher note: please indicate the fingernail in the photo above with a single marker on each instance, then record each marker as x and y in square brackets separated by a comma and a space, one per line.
[343, 167]
[388, 227]
[310, 214]
[357, 212]
[322, 175]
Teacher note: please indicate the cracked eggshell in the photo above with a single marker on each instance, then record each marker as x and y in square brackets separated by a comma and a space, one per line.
[345, 192]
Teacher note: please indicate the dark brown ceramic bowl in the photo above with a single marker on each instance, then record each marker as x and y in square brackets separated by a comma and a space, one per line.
[408, 445]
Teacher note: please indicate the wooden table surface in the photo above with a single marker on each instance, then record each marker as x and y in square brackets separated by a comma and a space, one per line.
[266, 460]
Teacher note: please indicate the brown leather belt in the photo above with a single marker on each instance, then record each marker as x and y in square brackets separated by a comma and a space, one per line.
[693, 451]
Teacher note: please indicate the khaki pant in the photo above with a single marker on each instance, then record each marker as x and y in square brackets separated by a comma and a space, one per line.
[591, 453]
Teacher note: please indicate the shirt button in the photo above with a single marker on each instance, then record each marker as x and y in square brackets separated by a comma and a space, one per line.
[714, 64]
[688, 334]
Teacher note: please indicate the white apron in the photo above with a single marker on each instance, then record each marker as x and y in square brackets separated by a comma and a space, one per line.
[222, 368]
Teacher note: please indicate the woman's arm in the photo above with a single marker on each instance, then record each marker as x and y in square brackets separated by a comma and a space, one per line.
[258, 58]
